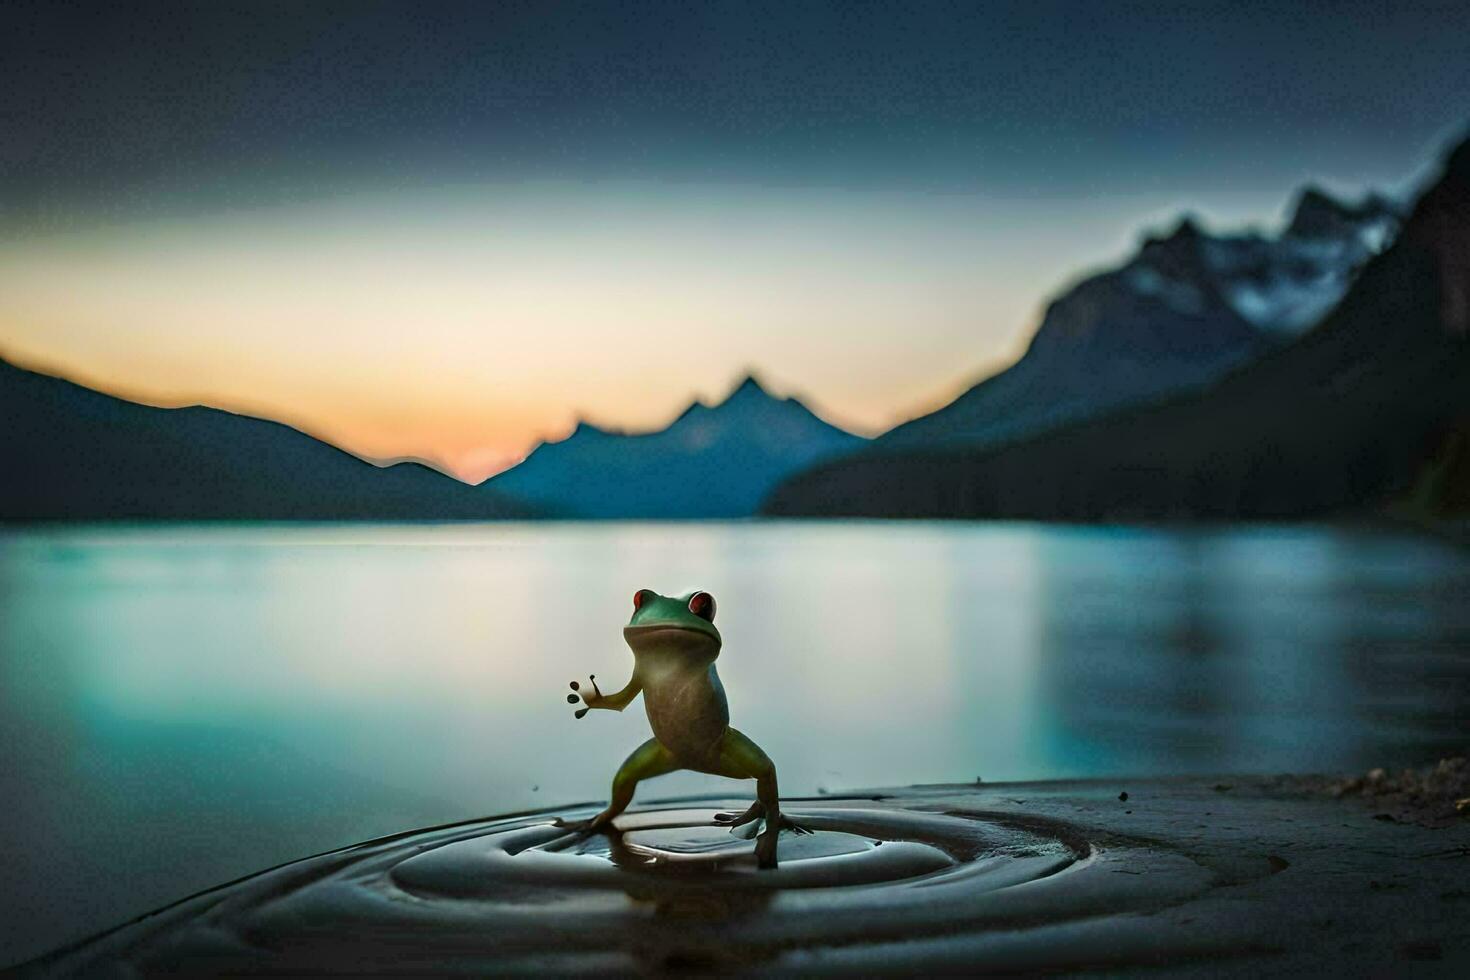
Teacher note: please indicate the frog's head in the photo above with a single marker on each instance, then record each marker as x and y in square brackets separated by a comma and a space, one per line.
[684, 623]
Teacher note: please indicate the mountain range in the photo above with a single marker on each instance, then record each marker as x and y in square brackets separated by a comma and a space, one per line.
[71, 453]
[1188, 380]
[1364, 409]
[713, 461]
[1184, 310]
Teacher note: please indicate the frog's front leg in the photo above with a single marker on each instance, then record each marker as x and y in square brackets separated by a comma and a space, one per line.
[740, 758]
[648, 760]
[596, 699]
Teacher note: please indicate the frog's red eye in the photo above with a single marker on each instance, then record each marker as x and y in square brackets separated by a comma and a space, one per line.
[702, 604]
[640, 597]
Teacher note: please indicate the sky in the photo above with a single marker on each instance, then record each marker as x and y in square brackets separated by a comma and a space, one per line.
[447, 231]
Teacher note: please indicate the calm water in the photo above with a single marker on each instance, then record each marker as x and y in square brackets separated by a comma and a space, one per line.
[181, 706]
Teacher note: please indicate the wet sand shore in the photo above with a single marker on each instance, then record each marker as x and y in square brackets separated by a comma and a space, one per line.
[1239, 876]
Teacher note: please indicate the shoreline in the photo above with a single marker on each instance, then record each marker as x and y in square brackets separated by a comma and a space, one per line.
[1235, 875]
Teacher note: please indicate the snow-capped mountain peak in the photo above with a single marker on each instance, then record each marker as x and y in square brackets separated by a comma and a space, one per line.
[1285, 284]
[1186, 308]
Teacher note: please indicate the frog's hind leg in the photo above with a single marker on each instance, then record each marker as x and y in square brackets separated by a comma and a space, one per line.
[647, 760]
[740, 758]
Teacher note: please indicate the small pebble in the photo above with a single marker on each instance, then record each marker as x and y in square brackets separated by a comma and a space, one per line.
[1123, 796]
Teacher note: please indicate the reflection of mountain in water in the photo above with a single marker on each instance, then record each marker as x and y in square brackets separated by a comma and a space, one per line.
[1256, 648]
[1158, 676]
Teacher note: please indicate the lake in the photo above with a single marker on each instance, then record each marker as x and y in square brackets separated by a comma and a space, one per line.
[183, 705]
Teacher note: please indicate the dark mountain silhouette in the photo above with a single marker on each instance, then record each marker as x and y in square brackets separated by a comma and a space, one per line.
[1343, 419]
[70, 453]
[1183, 311]
[1441, 489]
[712, 461]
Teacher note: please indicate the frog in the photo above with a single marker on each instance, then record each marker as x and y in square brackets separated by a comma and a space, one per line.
[675, 644]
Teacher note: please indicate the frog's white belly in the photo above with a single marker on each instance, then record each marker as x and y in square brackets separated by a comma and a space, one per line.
[689, 715]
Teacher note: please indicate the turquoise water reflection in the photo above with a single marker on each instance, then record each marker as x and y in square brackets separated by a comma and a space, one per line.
[180, 706]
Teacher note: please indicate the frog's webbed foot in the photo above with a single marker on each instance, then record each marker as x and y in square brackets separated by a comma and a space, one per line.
[577, 831]
[757, 811]
[591, 700]
[581, 829]
[732, 820]
[577, 828]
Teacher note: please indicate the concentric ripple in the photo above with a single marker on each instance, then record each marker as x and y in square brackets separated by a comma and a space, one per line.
[668, 890]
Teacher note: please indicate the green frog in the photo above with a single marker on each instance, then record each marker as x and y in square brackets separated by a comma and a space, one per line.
[675, 643]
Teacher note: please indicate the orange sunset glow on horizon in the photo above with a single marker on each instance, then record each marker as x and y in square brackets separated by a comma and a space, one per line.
[465, 325]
